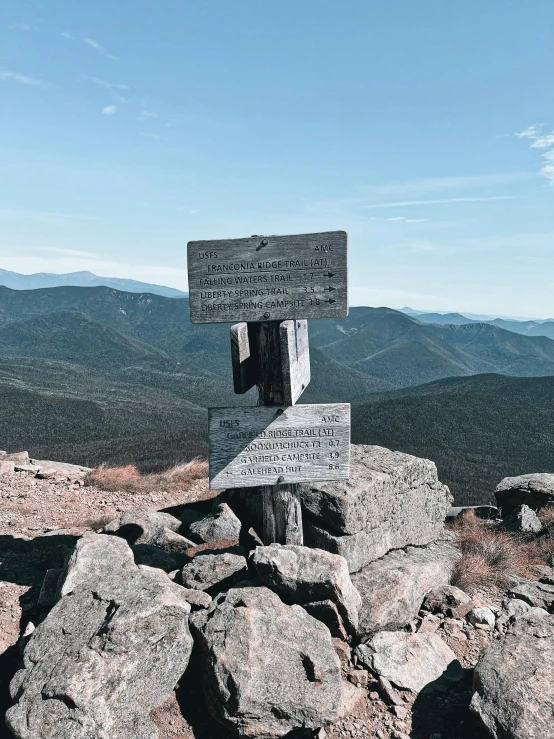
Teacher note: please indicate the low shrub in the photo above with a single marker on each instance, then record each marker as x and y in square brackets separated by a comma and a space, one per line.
[129, 479]
[490, 558]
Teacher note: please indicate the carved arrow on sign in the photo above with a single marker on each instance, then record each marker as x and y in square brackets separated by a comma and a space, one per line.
[329, 289]
[329, 300]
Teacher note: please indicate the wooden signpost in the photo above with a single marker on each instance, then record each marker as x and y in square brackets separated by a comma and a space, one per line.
[271, 285]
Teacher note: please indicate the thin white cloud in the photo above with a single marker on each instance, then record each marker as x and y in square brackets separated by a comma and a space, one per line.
[149, 135]
[114, 88]
[21, 27]
[99, 48]
[417, 220]
[397, 218]
[408, 203]
[544, 142]
[20, 79]
[66, 35]
[147, 115]
[60, 250]
[109, 110]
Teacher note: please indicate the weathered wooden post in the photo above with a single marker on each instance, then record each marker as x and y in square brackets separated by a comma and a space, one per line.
[272, 285]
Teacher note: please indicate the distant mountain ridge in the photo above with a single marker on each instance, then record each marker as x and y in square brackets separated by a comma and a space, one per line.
[95, 374]
[525, 328]
[17, 281]
[477, 429]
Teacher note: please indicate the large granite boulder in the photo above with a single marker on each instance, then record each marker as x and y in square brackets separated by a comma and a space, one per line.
[393, 588]
[108, 653]
[535, 490]
[268, 668]
[304, 575]
[514, 689]
[409, 661]
[391, 500]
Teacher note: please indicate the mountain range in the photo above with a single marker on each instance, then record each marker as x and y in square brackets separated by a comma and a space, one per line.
[526, 328]
[17, 281]
[96, 374]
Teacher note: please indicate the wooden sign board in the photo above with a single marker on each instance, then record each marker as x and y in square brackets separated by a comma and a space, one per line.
[272, 445]
[268, 278]
[294, 352]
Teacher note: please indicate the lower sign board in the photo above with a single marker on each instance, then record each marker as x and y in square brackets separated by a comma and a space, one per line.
[268, 278]
[272, 445]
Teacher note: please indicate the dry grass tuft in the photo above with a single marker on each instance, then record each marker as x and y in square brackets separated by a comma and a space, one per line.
[129, 479]
[491, 557]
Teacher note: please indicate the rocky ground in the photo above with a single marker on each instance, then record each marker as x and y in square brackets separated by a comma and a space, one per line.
[400, 683]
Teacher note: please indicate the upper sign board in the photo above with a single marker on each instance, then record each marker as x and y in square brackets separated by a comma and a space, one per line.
[272, 445]
[268, 278]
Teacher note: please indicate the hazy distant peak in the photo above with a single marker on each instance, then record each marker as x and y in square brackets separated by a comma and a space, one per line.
[17, 281]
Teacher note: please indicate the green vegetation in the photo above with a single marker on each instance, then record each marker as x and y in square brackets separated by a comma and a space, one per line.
[95, 375]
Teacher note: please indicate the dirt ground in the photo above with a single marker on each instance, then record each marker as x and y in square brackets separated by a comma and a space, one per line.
[39, 523]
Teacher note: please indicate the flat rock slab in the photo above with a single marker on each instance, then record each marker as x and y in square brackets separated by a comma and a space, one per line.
[305, 575]
[269, 668]
[409, 661]
[514, 690]
[535, 490]
[62, 468]
[108, 653]
[390, 500]
[393, 588]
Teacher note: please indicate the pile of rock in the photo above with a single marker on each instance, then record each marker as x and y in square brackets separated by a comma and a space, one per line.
[286, 637]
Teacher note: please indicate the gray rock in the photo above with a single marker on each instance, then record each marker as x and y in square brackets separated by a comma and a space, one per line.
[536, 594]
[150, 527]
[144, 524]
[514, 690]
[391, 500]
[269, 668]
[326, 612]
[50, 586]
[221, 524]
[409, 661]
[393, 588]
[510, 608]
[482, 617]
[486, 512]
[108, 653]
[535, 490]
[62, 468]
[146, 554]
[6, 467]
[448, 600]
[17, 457]
[26, 468]
[522, 520]
[303, 575]
[197, 598]
[207, 570]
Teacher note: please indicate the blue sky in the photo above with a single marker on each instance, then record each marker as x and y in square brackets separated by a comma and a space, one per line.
[423, 129]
